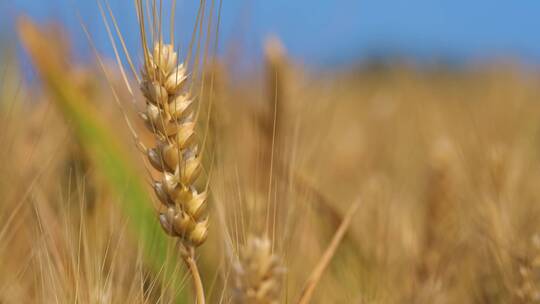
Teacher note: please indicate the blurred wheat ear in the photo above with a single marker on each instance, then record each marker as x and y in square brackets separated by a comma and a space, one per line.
[107, 154]
[258, 273]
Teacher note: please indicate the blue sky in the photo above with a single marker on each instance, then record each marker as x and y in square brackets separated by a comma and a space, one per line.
[325, 32]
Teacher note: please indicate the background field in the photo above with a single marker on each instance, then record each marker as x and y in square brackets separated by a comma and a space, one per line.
[443, 157]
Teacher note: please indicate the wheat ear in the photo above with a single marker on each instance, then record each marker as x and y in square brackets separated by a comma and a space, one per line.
[529, 271]
[258, 273]
[170, 116]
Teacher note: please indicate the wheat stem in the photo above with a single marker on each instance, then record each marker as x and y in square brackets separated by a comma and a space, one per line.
[198, 287]
[317, 273]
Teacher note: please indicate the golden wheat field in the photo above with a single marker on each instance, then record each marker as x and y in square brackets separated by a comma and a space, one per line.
[163, 177]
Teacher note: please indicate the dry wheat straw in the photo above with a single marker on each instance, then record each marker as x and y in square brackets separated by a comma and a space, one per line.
[316, 274]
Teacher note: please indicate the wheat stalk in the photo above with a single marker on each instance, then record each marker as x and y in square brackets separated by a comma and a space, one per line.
[170, 115]
[317, 272]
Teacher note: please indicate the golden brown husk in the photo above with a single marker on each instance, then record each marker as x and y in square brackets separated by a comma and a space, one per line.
[169, 115]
